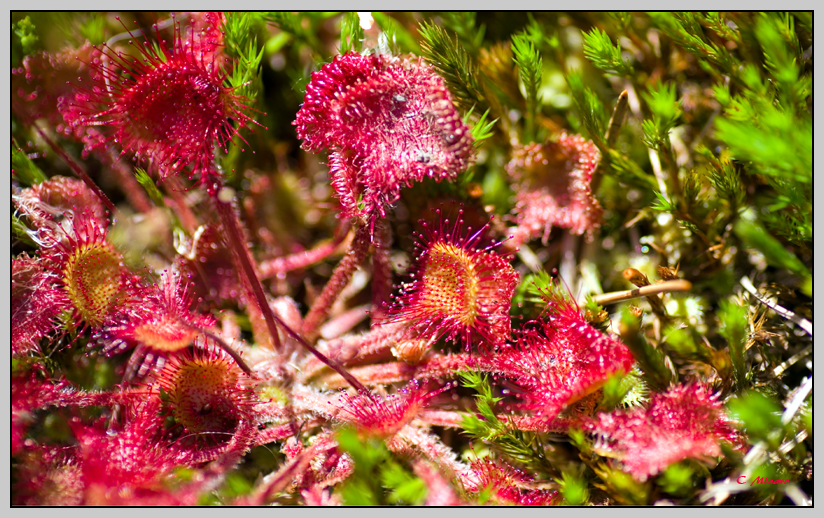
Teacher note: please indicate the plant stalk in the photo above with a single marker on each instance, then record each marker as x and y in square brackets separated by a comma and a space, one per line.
[236, 241]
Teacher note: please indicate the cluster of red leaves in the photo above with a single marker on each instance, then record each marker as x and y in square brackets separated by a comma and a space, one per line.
[559, 361]
[35, 303]
[130, 460]
[458, 289]
[553, 187]
[162, 322]
[168, 107]
[388, 122]
[686, 422]
[374, 415]
[508, 486]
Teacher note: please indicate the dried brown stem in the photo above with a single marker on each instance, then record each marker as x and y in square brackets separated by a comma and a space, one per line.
[664, 287]
[619, 115]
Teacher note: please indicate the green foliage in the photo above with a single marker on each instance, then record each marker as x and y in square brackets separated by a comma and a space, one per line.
[523, 447]
[482, 129]
[754, 236]
[496, 191]
[396, 34]
[733, 319]
[23, 168]
[726, 180]
[627, 171]
[21, 232]
[535, 290]
[625, 489]
[767, 124]
[93, 29]
[454, 64]
[465, 26]
[378, 479]
[351, 33]
[239, 30]
[530, 69]
[760, 417]
[148, 184]
[681, 341]
[662, 204]
[589, 106]
[686, 31]
[598, 48]
[156, 196]
[302, 26]
[234, 486]
[650, 359]
[25, 36]
[662, 102]
[625, 390]
[404, 487]
[677, 479]
[573, 488]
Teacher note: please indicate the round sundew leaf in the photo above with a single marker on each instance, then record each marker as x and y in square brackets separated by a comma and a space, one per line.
[93, 280]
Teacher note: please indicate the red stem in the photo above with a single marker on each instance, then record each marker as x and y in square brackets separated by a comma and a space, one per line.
[381, 272]
[236, 241]
[74, 166]
[303, 259]
[231, 352]
[126, 181]
[340, 278]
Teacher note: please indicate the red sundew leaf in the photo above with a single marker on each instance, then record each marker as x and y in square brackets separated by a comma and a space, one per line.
[317, 496]
[44, 202]
[686, 422]
[205, 37]
[87, 268]
[508, 485]
[458, 290]
[553, 187]
[388, 121]
[163, 322]
[170, 107]
[129, 466]
[374, 415]
[560, 362]
[208, 393]
[35, 303]
[47, 476]
[43, 82]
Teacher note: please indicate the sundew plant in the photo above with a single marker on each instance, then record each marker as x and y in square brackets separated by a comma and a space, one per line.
[323, 259]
